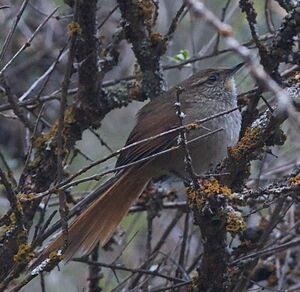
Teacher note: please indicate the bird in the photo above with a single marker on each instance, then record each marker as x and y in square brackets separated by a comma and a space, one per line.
[205, 93]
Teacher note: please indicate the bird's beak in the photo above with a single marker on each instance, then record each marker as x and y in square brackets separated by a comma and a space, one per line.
[234, 69]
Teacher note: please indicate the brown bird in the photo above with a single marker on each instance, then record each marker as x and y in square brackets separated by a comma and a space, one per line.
[204, 94]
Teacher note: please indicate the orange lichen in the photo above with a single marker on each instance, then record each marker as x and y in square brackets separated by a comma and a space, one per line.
[24, 254]
[5, 228]
[192, 126]
[46, 137]
[135, 92]
[155, 38]
[193, 198]
[246, 145]
[211, 187]
[208, 188]
[193, 286]
[54, 256]
[27, 196]
[13, 219]
[74, 27]
[48, 264]
[147, 9]
[294, 77]
[295, 180]
[234, 222]
[19, 206]
[69, 116]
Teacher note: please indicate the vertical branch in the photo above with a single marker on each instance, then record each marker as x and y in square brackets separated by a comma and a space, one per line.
[147, 46]
[42, 170]
[12, 198]
[12, 100]
[149, 232]
[224, 10]
[182, 255]
[94, 271]
[86, 52]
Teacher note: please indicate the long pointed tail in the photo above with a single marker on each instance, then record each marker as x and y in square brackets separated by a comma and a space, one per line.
[98, 222]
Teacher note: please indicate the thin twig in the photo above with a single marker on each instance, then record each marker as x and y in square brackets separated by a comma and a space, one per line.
[181, 261]
[107, 17]
[118, 267]
[258, 73]
[12, 100]
[65, 184]
[224, 9]
[118, 169]
[60, 127]
[12, 29]
[27, 44]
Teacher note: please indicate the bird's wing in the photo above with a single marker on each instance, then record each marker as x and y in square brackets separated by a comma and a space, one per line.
[149, 124]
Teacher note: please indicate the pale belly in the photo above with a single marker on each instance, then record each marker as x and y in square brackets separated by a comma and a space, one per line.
[206, 152]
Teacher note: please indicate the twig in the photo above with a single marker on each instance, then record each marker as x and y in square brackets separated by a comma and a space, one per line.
[259, 74]
[267, 251]
[11, 195]
[107, 17]
[221, 52]
[17, 110]
[60, 127]
[224, 9]
[171, 287]
[36, 239]
[248, 8]
[159, 244]
[46, 74]
[174, 23]
[182, 205]
[12, 29]
[268, 16]
[103, 143]
[198, 122]
[288, 5]
[118, 267]
[94, 271]
[8, 169]
[117, 169]
[181, 261]
[33, 135]
[28, 42]
[42, 282]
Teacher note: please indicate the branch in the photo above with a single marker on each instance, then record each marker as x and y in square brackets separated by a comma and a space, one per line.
[147, 46]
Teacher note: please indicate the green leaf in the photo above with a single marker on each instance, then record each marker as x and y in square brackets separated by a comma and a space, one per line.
[183, 55]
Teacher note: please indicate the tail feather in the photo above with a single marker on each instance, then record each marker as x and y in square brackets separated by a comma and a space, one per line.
[98, 222]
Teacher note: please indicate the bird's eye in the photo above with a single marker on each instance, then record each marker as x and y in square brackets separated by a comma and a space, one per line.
[212, 78]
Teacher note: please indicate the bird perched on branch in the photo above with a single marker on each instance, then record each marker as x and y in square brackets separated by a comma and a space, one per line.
[203, 95]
